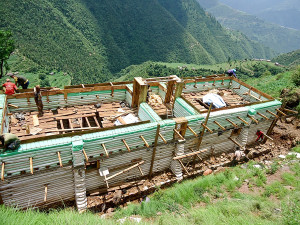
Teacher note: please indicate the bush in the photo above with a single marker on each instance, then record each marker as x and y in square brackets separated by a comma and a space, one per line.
[296, 76]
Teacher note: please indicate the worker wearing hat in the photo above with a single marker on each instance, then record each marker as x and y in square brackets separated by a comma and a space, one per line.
[232, 73]
[20, 81]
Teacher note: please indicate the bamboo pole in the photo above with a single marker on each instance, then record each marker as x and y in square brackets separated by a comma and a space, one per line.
[85, 155]
[203, 130]
[235, 142]
[31, 165]
[154, 150]
[59, 159]
[232, 123]
[244, 121]
[126, 145]
[197, 154]
[189, 154]
[194, 133]
[210, 131]
[252, 118]
[46, 192]
[288, 110]
[144, 140]
[123, 171]
[104, 147]
[262, 115]
[181, 163]
[2, 171]
[223, 128]
[280, 112]
[162, 137]
[140, 169]
[273, 114]
[177, 132]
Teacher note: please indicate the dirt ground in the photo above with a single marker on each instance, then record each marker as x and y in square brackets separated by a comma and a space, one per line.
[286, 135]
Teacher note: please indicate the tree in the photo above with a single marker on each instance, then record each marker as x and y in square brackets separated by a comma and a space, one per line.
[7, 46]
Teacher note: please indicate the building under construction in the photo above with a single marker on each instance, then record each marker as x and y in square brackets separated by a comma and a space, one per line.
[98, 136]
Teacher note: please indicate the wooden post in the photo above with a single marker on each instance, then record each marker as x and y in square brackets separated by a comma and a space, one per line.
[31, 165]
[154, 150]
[179, 135]
[203, 130]
[263, 116]
[235, 142]
[194, 133]
[244, 121]
[252, 118]
[2, 171]
[126, 145]
[178, 89]
[59, 159]
[223, 128]
[232, 123]
[140, 169]
[139, 93]
[280, 112]
[210, 131]
[104, 147]
[112, 89]
[162, 137]
[170, 88]
[144, 140]
[85, 155]
[46, 192]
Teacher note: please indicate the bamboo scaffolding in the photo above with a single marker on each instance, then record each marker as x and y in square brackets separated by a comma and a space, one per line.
[288, 110]
[203, 130]
[85, 155]
[126, 145]
[223, 128]
[123, 171]
[46, 193]
[244, 121]
[263, 116]
[104, 147]
[232, 123]
[177, 132]
[252, 118]
[273, 114]
[194, 133]
[2, 171]
[235, 142]
[280, 112]
[31, 165]
[189, 154]
[59, 159]
[144, 140]
[162, 137]
[185, 169]
[210, 131]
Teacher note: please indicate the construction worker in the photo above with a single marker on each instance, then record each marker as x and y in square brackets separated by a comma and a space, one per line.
[38, 99]
[21, 81]
[9, 87]
[232, 73]
[9, 141]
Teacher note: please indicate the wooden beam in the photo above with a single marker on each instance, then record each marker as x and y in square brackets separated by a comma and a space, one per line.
[2, 171]
[244, 121]
[235, 142]
[31, 165]
[288, 110]
[123, 171]
[210, 131]
[85, 155]
[193, 132]
[223, 128]
[59, 159]
[162, 137]
[252, 118]
[262, 115]
[273, 114]
[87, 121]
[203, 130]
[104, 147]
[232, 123]
[62, 125]
[154, 150]
[280, 112]
[14, 106]
[179, 135]
[189, 154]
[126, 145]
[178, 89]
[170, 88]
[185, 169]
[140, 169]
[267, 136]
[71, 125]
[144, 140]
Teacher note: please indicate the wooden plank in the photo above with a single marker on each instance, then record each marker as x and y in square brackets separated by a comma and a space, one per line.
[189, 154]
[85, 155]
[87, 121]
[2, 171]
[170, 88]
[126, 145]
[71, 125]
[223, 128]
[123, 171]
[178, 89]
[35, 120]
[62, 126]
[96, 121]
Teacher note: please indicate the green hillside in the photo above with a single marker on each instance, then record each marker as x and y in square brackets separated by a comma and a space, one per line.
[290, 59]
[92, 40]
[279, 38]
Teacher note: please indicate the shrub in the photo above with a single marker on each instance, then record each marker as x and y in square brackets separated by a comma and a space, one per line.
[296, 76]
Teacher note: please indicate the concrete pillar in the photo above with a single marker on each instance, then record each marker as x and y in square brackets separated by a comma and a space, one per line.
[79, 173]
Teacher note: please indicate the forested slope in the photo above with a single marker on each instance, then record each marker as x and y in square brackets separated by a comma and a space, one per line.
[91, 40]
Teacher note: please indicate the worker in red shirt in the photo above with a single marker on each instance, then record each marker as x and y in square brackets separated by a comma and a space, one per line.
[9, 87]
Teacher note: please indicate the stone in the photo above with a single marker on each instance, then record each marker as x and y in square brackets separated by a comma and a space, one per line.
[281, 156]
[110, 210]
[207, 172]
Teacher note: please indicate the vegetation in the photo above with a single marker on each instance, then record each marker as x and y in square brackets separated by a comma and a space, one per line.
[277, 37]
[92, 41]
[7, 46]
[291, 59]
